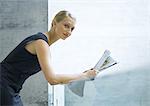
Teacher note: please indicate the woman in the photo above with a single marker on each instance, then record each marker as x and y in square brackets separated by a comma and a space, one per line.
[33, 55]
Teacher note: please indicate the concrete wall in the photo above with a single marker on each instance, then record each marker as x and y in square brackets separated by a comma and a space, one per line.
[19, 19]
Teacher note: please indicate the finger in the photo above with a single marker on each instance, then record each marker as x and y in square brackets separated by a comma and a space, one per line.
[85, 71]
[96, 71]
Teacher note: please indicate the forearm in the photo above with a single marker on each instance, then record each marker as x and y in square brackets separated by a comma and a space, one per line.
[66, 78]
[55, 79]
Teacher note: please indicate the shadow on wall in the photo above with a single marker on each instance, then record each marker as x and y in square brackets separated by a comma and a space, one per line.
[130, 88]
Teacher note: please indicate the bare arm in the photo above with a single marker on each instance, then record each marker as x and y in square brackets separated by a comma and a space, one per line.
[43, 54]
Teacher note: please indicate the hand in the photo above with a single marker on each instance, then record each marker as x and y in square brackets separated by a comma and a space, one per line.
[90, 73]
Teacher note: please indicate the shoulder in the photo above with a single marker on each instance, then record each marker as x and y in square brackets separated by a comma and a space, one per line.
[38, 45]
[41, 42]
[36, 37]
[41, 45]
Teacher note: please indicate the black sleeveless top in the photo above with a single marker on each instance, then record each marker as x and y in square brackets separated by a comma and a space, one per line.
[20, 64]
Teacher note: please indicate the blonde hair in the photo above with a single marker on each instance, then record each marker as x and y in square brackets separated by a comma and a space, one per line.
[63, 14]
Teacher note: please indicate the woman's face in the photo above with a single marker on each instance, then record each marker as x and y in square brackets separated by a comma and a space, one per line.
[64, 28]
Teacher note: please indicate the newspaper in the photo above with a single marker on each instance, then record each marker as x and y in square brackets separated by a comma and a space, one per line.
[106, 61]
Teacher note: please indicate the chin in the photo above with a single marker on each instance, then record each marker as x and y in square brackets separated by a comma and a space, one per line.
[63, 38]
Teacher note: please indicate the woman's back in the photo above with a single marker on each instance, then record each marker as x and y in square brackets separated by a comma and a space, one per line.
[18, 66]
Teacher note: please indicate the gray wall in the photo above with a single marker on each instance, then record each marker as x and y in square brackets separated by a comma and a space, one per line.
[19, 19]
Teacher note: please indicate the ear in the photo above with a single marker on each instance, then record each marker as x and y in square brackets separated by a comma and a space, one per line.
[53, 23]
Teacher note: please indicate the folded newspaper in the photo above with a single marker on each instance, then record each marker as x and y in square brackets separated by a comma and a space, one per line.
[106, 61]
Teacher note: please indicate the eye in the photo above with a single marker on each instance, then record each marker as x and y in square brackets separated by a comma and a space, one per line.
[66, 25]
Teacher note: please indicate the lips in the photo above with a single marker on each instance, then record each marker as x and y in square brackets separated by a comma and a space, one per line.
[66, 35]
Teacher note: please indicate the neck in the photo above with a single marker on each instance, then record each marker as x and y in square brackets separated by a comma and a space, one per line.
[52, 37]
